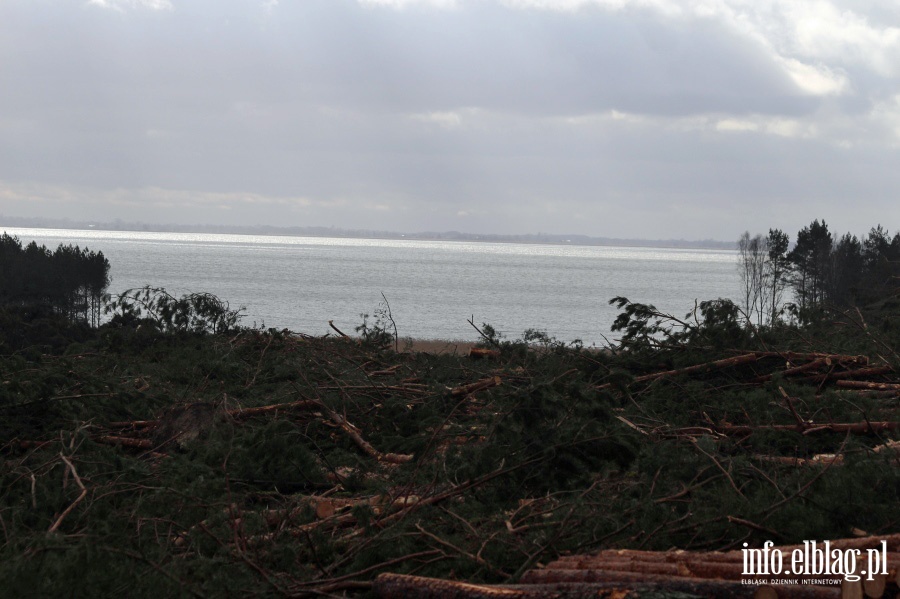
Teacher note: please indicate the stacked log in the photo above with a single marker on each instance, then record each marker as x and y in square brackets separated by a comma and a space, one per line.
[400, 586]
[681, 566]
[635, 574]
[816, 368]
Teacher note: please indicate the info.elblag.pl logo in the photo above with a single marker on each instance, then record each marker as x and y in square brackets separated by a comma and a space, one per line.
[815, 559]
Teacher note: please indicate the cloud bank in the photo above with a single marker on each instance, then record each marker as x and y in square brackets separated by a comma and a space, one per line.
[645, 118]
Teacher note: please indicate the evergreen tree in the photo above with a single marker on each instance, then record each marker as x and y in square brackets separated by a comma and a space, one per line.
[777, 269]
[881, 264]
[846, 270]
[70, 281]
[811, 262]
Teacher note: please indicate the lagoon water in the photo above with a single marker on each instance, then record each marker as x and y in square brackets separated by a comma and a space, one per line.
[433, 287]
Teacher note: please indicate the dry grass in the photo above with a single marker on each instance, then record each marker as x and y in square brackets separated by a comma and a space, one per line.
[437, 346]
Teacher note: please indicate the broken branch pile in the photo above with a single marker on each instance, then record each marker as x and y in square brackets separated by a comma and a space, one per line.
[280, 464]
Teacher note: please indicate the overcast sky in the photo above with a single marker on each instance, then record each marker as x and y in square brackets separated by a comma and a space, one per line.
[646, 118]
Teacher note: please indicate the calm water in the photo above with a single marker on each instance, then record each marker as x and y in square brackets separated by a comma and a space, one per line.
[433, 287]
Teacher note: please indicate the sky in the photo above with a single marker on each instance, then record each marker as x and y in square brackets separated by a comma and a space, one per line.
[655, 119]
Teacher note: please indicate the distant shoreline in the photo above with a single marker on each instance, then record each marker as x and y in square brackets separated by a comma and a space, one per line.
[537, 239]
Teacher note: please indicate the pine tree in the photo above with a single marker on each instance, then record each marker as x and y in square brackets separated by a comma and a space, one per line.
[777, 269]
[811, 260]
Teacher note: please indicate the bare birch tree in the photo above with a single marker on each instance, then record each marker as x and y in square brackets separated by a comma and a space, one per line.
[753, 254]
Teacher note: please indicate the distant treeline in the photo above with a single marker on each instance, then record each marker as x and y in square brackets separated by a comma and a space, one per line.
[819, 269]
[69, 281]
[312, 231]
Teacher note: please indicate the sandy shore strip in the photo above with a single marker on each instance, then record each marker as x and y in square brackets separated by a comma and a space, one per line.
[436, 346]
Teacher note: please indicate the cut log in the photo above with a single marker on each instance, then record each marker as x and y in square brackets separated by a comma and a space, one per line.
[304, 404]
[387, 371]
[124, 441]
[862, 543]
[792, 356]
[837, 427]
[817, 363]
[476, 386]
[603, 570]
[561, 579]
[480, 353]
[887, 447]
[851, 374]
[875, 588]
[851, 589]
[324, 509]
[400, 586]
[353, 433]
[868, 385]
[822, 459]
[705, 367]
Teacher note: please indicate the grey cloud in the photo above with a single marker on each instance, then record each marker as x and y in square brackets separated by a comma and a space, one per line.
[336, 52]
[485, 55]
[95, 86]
[449, 119]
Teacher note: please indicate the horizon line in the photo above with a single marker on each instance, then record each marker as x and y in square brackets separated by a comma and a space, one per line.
[332, 231]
